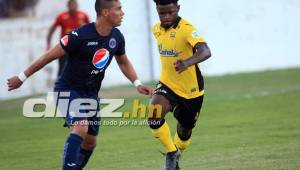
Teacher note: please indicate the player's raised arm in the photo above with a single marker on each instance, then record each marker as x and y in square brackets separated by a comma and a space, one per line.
[202, 53]
[128, 70]
[16, 81]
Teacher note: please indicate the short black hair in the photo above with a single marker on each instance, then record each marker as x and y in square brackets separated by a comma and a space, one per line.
[103, 4]
[71, 1]
[165, 2]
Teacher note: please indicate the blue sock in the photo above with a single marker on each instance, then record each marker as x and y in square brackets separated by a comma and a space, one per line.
[71, 151]
[83, 158]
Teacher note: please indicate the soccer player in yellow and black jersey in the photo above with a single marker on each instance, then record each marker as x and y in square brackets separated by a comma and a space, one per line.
[181, 86]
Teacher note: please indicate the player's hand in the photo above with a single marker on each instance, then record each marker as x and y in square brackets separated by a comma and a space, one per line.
[13, 83]
[146, 90]
[180, 66]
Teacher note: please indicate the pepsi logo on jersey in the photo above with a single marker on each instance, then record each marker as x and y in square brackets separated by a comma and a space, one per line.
[101, 58]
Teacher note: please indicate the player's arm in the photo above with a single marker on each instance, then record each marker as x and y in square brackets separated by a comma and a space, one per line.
[128, 70]
[126, 67]
[202, 53]
[16, 81]
[49, 35]
[52, 29]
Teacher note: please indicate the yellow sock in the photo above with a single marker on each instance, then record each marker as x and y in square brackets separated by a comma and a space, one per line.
[180, 144]
[163, 134]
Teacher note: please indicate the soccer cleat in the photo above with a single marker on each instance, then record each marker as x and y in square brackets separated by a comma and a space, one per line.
[172, 159]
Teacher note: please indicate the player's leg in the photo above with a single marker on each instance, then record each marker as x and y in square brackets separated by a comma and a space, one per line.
[78, 125]
[86, 150]
[161, 131]
[187, 114]
[160, 128]
[164, 97]
[89, 144]
[182, 137]
[72, 144]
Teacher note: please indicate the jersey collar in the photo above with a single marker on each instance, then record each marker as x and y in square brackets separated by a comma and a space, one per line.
[175, 25]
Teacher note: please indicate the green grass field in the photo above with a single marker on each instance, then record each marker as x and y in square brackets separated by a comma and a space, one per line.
[249, 121]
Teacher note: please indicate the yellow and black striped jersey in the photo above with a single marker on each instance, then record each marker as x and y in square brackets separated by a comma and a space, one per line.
[174, 44]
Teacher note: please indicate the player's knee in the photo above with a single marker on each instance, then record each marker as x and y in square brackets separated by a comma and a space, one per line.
[155, 115]
[89, 144]
[183, 132]
[80, 129]
[159, 106]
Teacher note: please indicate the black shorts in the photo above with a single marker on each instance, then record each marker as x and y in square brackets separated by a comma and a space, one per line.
[186, 111]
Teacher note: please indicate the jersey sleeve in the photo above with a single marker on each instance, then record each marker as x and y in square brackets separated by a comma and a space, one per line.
[86, 19]
[57, 21]
[121, 47]
[155, 31]
[70, 42]
[193, 36]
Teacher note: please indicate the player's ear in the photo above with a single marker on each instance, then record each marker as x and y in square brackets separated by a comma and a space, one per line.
[105, 12]
[178, 8]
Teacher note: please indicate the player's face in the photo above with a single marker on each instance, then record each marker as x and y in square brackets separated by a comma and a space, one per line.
[115, 14]
[167, 14]
[73, 6]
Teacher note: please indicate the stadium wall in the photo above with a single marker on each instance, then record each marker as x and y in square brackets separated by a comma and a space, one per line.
[243, 36]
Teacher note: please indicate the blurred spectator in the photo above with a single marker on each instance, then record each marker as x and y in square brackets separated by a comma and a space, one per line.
[15, 8]
[68, 21]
